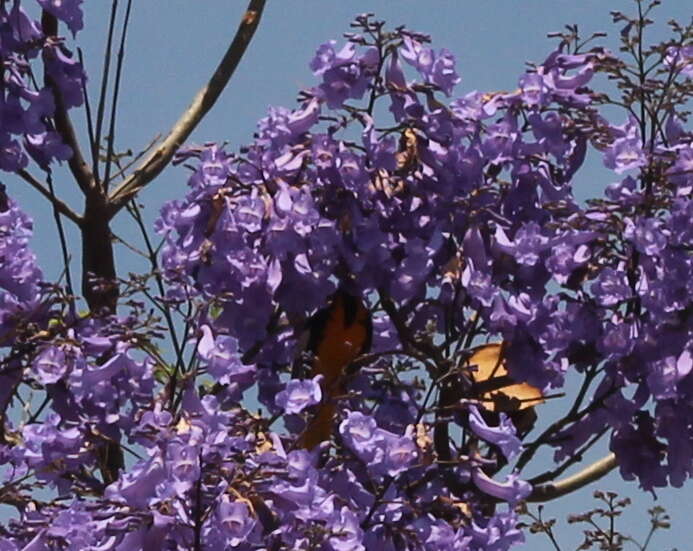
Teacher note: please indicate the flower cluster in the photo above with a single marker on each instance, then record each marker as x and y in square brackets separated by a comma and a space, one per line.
[453, 220]
[98, 388]
[24, 108]
[460, 221]
[22, 308]
[20, 277]
[449, 204]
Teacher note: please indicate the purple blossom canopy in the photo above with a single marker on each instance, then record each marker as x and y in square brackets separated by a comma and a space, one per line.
[454, 222]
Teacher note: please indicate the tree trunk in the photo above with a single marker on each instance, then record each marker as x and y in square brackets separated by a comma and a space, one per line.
[100, 290]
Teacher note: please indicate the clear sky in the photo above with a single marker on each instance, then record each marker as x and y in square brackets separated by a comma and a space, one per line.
[174, 45]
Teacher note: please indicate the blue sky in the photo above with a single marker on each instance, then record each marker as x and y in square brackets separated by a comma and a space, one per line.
[174, 44]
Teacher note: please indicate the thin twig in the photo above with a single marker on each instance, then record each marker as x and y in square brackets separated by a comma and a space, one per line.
[114, 99]
[63, 245]
[573, 414]
[201, 104]
[135, 212]
[122, 168]
[58, 205]
[105, 73]
[574, 458]
[87, 108]
[35, 415]
[117, 239]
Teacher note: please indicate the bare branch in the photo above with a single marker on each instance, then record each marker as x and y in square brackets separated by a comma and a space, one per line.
[101, 106]
[201, 104]
[573, 415]
[87, 112]
[576, 457]
[589, 474]
[63, 245]
[114, 100]
[61, 207]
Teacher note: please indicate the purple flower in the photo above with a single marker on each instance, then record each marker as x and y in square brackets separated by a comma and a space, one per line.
[400, 453]
[534, 91]
[668, 371]
[501, 140]
[497, 533]
[345, 74]
[67, 73]
[504, 435]
[68, 11]
[183, 462]
[625, 191]
[681, 59]
[625, 152]
[413, 268]
[383, 451]
[639, 453]
[548, 131]
[19, 274]
[75, 525]
[527, 246]
[12, 158]
[512, 491]
[235, 520]
[300, 394]
[443, 73]
[565, 259]
[681, 171]
[51, 365]
[568, 88]
[347, 531]
[619, 339]
[611, 287]
[282, 127]
[359, 432]
[22, 29]
[672, 423]
[437, 535]
[223, 359]
[647, 234]
[41, 105]
[476, 276]
[436, 68]
[52, 449]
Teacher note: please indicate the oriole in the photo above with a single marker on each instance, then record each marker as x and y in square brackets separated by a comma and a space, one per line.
[338, 334]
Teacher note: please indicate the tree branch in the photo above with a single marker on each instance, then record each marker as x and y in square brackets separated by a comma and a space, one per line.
[201, 104]
[114, 101]
[58, 205]
[63, 246]
[101, 106]
[576, 457]
[78, 166]
[575, 414]
[589, 474]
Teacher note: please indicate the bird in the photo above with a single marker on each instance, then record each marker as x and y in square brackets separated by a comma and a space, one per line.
[337, 335]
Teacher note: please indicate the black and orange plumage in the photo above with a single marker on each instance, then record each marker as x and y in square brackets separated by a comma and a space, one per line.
[338, 334]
